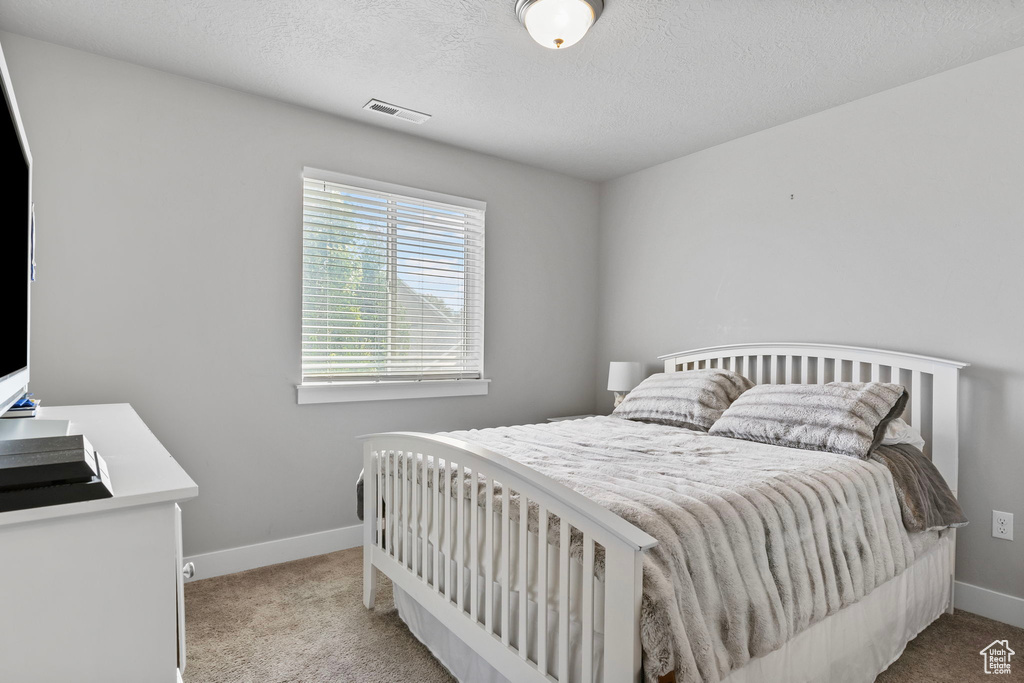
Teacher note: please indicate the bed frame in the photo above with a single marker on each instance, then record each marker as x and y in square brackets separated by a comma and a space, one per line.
[393, 504]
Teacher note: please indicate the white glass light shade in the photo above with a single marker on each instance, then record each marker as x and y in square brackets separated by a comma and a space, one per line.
[558, 23]
[623, 377]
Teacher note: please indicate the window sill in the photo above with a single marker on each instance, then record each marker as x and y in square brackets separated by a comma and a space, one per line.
[345, 392]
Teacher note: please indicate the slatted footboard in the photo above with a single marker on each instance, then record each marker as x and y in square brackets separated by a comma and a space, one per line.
[419, 540]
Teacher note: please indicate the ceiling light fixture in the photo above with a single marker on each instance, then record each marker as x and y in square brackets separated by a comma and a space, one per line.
[558, 23]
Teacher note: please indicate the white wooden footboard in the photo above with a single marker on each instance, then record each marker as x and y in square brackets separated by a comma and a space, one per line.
[432, 569]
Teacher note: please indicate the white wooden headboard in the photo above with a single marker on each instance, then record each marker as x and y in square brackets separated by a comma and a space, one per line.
[933, 382]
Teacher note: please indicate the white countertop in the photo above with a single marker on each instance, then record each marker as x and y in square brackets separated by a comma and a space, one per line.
[141, 470]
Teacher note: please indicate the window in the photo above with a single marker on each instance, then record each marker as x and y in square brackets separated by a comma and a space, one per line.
[392, 291]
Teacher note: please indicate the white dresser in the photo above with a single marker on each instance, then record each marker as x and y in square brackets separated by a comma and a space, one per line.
[92, 592]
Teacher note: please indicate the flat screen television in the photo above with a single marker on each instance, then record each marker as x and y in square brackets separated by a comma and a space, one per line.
[15, 247]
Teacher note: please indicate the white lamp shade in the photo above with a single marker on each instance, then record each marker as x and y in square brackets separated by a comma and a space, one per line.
[624, 377]
[558, 23]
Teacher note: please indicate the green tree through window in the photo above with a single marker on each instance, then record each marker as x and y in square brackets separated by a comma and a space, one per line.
[391, 287]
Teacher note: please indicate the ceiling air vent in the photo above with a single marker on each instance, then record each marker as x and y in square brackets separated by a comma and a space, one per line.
[396, 111]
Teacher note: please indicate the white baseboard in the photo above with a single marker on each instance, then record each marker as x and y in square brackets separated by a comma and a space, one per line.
[1008, 609]
[246, 557]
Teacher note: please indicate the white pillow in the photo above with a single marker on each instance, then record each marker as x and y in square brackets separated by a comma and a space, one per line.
[899, 431]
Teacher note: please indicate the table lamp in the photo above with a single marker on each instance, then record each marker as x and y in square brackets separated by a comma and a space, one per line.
[623, 378]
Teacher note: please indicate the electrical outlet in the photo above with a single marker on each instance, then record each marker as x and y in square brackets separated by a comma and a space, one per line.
[1002, 525]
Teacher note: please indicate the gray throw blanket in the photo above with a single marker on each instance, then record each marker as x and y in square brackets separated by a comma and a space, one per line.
[926, 502]
[756, 542]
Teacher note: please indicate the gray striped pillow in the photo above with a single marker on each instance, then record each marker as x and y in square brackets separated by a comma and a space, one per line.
[848, 418]
[693, 399]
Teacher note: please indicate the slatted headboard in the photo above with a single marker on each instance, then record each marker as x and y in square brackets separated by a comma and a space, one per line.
[933, 382]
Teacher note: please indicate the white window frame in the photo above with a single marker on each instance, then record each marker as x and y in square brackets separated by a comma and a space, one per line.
[346, 391]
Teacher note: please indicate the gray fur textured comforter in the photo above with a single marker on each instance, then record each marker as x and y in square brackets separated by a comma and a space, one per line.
[756, 542]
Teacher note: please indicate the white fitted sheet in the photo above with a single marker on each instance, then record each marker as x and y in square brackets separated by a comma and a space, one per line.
[854, 644]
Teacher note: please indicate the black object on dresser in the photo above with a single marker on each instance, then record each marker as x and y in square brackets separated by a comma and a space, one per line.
[50, 471]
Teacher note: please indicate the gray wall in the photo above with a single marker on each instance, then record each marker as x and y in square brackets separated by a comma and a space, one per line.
[904, 231]
[169, 272]
[169, 218]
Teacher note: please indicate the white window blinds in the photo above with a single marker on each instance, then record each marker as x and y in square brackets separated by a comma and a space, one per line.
[392, 282]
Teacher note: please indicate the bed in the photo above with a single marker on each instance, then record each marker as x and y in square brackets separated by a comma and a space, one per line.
[464, 562]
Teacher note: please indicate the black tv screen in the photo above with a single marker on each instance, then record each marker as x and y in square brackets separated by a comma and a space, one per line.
[14, 245]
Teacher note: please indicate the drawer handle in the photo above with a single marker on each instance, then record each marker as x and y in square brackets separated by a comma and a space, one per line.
[188, 571]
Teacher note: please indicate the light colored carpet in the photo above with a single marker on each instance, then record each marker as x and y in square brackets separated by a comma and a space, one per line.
[300, 621]
[304, 622]
[948, 652]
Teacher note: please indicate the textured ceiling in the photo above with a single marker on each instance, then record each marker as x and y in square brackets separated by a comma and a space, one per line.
[654, 79]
